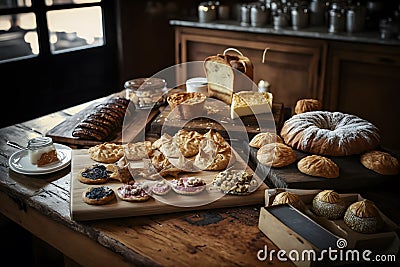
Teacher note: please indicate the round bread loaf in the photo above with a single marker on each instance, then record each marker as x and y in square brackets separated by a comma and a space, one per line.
[363, 217]
[261, 139]
[276, 155]
[306, 105]
[330, 133]
[380, 162]
[319, 166]
[328, 204]
[289, 198]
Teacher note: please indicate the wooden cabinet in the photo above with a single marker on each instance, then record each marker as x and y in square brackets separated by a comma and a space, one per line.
[364, 80]
[293, 67]
[356, 78]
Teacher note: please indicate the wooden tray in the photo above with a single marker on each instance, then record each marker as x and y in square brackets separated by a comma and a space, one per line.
[217, 116]
[62, 133]
[353, 175]
[81, 211]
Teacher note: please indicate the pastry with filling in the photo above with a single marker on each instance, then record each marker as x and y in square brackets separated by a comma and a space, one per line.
[94, 174]
[363, 217]
[133, 192]
[188, 185]
[328, 204]
[106, 152]
[187, 105]
[161, 188]
[380, 162]
[287, 197]
[98, 195]
[209, 158]
[276, 155]
[319, 166]
[265, 138]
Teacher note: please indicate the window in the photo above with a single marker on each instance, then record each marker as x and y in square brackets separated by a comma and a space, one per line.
[30, 28]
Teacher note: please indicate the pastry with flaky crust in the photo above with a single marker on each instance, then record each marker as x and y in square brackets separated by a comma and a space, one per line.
[188, 142]
[380, 162]
[106, 152]
[261, 139]
[138, 150]
[328, 204]
[276, 155]
[289, 198]
[306, 105]
[316, 165]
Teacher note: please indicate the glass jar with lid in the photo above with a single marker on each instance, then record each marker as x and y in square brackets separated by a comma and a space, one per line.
[146, 92]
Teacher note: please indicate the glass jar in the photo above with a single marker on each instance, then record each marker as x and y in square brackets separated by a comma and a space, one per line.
[38, 146]
[146, 92]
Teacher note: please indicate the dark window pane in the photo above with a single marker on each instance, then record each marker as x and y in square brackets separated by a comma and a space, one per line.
[15, 3]
[61, 2]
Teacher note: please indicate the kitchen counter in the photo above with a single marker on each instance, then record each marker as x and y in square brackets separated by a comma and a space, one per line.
[309, 32]
[217, 237]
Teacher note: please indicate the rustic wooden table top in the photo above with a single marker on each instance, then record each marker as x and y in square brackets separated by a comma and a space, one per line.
[41, 204]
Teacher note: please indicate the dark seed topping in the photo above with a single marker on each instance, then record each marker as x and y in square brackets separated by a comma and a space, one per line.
[99, 192]
[96, 172]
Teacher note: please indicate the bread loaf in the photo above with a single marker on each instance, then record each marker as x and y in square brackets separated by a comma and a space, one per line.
[227, 74]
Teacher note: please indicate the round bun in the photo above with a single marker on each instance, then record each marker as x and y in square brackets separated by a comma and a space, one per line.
[289, 198]
[98, 195]
[261, 139]
[306, 105]
[330, 133]
[318, 166]
[276, 155]
[380, 162]
[363, 217]
[94, 174]
[188, 185]
[328, 204]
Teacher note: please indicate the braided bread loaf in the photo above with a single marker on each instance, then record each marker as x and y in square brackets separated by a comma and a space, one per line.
[103, 120]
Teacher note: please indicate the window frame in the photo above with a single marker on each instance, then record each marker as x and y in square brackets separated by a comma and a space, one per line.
[40, 9]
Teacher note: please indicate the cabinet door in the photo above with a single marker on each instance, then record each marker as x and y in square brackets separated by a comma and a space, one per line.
[365, 81]
[291, 66]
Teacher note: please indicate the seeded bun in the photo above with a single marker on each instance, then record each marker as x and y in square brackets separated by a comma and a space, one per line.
[328, 204]
[363, 217]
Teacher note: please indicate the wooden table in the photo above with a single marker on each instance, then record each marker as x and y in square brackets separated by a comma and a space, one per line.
[40, 204]
[218, 237]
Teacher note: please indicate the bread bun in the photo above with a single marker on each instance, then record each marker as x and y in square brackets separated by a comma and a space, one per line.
[328, 204]
[289, 198]
[276, 155]
[318, 166]
[380, 162]
[363, 217]
[306, 105]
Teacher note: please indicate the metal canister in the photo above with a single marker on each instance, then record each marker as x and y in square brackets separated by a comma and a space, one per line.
[299, 17]
[280, 20]
[317, 12]
[207, 11]
[337, 21]
[259, 15]
[245, 15]
[355, 18]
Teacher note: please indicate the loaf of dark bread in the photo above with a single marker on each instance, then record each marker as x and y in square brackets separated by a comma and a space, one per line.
[104, 119]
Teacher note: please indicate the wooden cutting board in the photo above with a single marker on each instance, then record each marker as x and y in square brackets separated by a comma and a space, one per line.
[81, 211]
[131, 130]
[352, 174]
[217, 116]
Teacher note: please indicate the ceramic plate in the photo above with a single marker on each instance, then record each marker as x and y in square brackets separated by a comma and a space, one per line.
[20, 162]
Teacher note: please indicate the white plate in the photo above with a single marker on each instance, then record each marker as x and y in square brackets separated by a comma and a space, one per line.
[20, 161]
